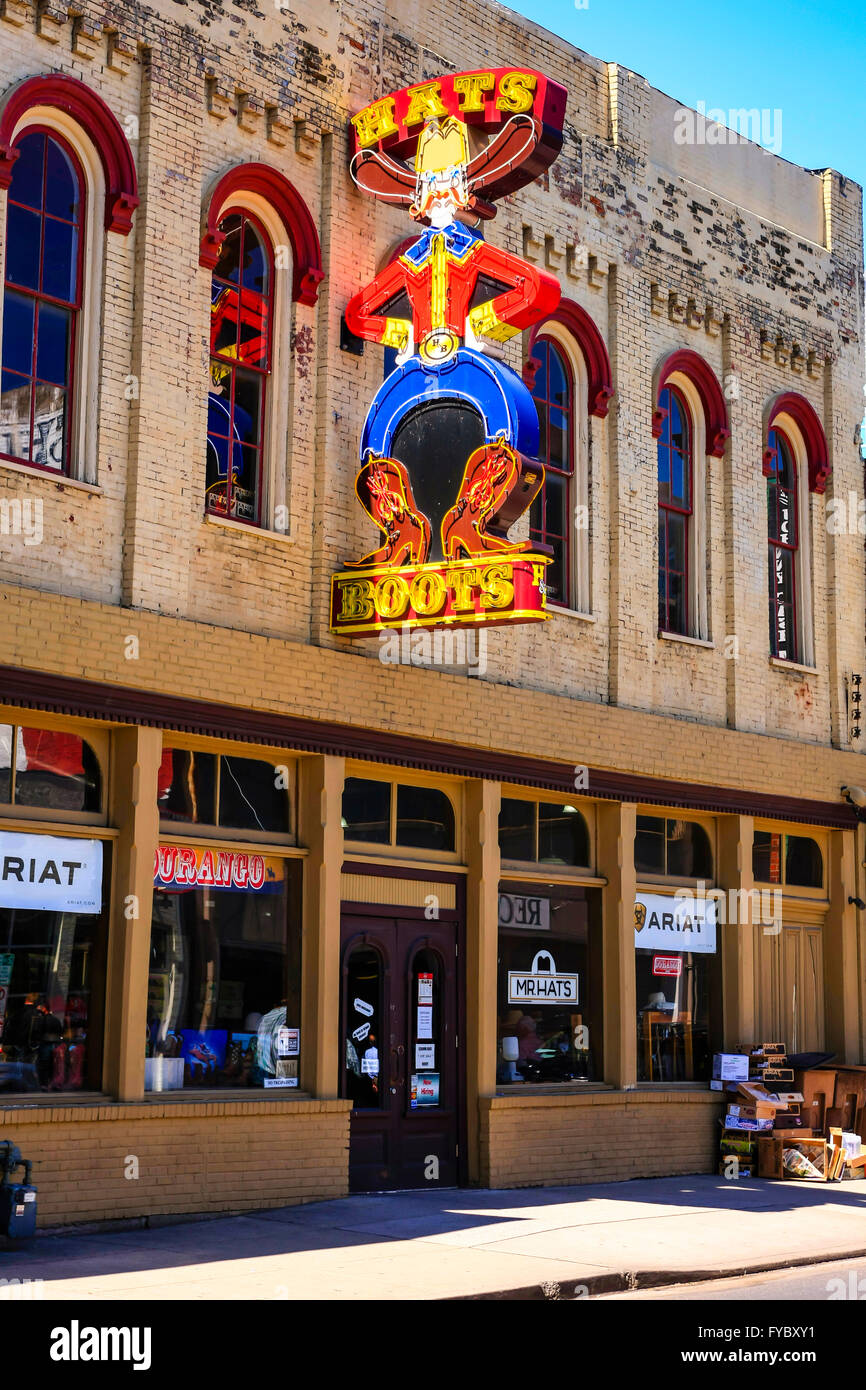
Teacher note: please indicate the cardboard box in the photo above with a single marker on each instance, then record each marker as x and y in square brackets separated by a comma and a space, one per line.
[743, 1122]
[783, 1074]
[730, 1066]
[755, 1094]
[815, 1150]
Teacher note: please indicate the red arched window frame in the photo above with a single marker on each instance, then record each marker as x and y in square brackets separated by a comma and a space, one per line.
[551, 514]
[241, 354]
[42, 299]
[783, 537]
[675, 473]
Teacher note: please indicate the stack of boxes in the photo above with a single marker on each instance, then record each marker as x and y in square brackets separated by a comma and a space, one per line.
[763, 1131]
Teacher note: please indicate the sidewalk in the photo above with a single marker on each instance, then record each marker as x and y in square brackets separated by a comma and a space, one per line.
[538, 1243]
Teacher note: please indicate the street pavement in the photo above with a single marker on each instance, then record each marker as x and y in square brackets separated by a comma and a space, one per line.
[538, 1243]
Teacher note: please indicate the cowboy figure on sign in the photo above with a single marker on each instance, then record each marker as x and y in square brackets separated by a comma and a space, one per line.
[464, 425]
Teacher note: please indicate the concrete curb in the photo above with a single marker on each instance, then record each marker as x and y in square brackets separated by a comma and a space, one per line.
[595, 1285]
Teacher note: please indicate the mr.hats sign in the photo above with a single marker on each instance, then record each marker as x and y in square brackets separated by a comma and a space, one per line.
[674, 924]
[542, 983]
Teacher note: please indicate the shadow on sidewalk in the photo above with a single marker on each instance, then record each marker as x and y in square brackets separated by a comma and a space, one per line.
[380, 1218]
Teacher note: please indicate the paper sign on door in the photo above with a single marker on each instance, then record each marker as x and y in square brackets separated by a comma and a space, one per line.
[425, 1056]
[425, 1021]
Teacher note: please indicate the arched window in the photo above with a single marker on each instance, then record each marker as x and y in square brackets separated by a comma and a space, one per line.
[672, 848]
[71, 182]
[675, 473]
[41, 300]
[784, 539]
[240, 364]
[550, 518]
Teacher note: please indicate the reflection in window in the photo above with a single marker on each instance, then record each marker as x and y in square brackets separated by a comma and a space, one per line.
[224, 981]
[674, 464]
[424, 815]
[241, 327]
[543, 832]
[54, 966]
[546, 1033]
[364, 1029]
[551, 513]
[678, 1013]
[48, 768]
[250, 794]
[367, 810]
[675, 848]
[425, 818]
[41, 300]
[782, 534]
[795, 860]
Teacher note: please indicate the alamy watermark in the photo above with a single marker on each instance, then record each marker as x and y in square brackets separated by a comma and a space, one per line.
[739, 907]
[22, 516]
[409, 646]
[733, 127]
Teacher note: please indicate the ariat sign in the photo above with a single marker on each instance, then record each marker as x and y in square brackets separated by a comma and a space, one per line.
[46, 873]
[674, 924]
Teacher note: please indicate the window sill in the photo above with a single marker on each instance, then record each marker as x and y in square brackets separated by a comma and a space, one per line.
[689, 641]
[59, 480]
[228, 523]
[793, 666]
[556, 611]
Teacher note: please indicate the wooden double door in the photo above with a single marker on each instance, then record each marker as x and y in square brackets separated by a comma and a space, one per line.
[790, 986]
[399, 1018]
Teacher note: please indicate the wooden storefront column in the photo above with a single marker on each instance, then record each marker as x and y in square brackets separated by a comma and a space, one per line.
[735, 932]
[841, 957]
[136, 754]
[320, 809]
[481, 800]
[616, 829]
[860, 892]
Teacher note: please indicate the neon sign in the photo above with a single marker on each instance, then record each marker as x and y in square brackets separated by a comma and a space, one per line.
[449, 446]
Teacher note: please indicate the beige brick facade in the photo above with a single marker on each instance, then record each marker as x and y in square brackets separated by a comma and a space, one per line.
[729, 251]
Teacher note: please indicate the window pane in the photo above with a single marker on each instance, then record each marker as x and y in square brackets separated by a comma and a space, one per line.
[27, 171]
[224, 320]
[541, 353]
[663, 467]
[49, 1037]
[247, 407]
[559, 431]
[804, 866]
[425, 818]
[678, 1015]
[49, 426]
[562, 835]
[52, 344]
[367, 810]
[767, 857]
[56, 770]
[517, 829]
[187, 786]
[6, 734]
[250, 798]
[61, 183]
[22, 247]
[60, 264]
[558, 380]
[256, 272]
[224, 986]
[245, 482]
[18, 318]
[365, 1029]
[228, 259]
[649, 845]
[688, 850]
[782, 620]
[15, 417]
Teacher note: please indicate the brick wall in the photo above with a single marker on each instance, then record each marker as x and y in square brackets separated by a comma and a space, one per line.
[216, 1156]
[530, 1141]
[754, 263]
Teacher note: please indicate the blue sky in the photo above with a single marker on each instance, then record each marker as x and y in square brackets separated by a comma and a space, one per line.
[807, 60]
